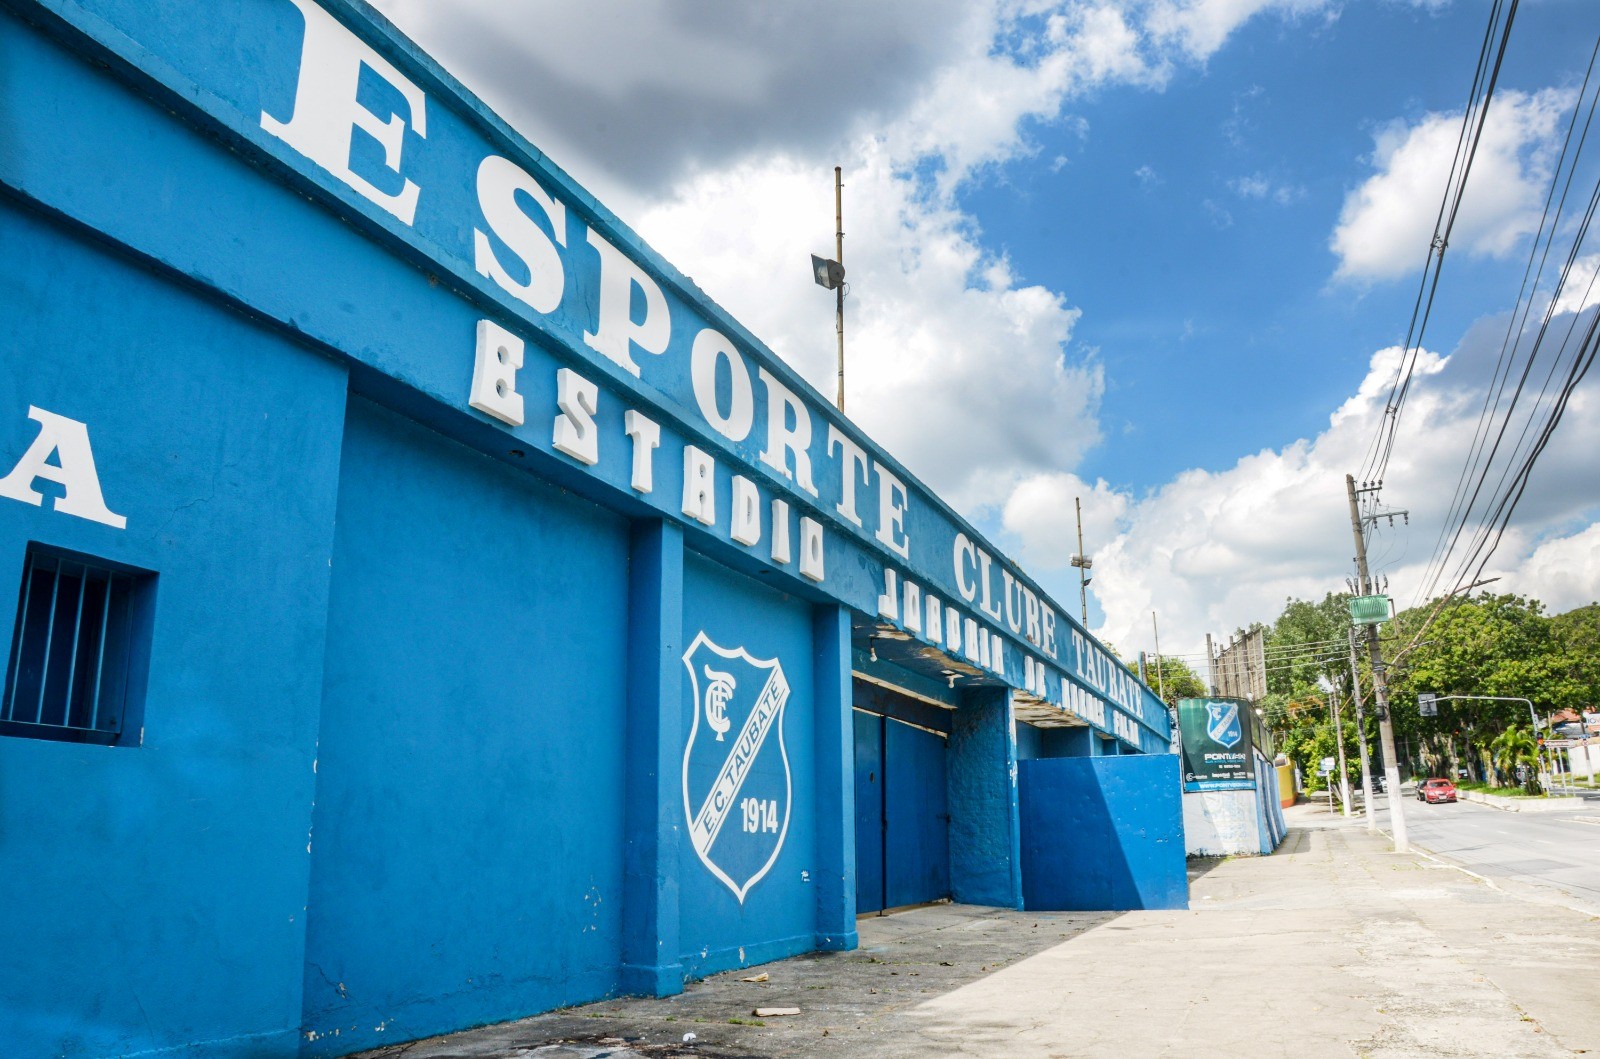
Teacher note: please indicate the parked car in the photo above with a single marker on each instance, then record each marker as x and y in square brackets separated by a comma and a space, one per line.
[1436, 790]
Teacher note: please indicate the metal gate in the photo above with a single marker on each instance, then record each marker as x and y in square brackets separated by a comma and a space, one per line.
[902, 826]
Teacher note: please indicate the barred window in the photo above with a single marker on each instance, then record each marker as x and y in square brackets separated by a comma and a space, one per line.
[78, 651]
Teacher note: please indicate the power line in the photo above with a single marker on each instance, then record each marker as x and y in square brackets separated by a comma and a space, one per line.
[1514, 326]
[1514, 474]
[1473, 119]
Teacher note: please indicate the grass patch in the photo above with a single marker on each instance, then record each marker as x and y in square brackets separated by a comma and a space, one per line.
[737, 1021]
[1503, 792]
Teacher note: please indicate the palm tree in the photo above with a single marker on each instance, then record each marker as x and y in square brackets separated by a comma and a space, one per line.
[1517, 746]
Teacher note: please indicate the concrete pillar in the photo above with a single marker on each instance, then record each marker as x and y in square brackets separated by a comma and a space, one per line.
[650, 961]
[985, 830]
[836, 831]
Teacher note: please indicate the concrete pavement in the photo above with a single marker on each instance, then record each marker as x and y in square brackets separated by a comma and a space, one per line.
[1559, 850]
[1332, 947]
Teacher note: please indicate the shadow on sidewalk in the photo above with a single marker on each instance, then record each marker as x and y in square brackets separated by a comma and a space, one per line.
[845, 998]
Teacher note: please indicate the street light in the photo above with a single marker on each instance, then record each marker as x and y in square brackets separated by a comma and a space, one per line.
[1532, 717]
[1330, 688]
[829, 274]
[1082, 563]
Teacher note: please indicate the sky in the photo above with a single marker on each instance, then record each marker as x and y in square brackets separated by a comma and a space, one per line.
[1159, 255]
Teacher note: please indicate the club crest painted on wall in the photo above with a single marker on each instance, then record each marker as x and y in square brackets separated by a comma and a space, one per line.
[1222, 723]
[736, 783]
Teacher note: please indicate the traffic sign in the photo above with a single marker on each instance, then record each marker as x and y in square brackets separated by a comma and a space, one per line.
[1428, 704]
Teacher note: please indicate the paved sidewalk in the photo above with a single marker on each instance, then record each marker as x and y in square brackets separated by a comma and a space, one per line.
[1332, 947]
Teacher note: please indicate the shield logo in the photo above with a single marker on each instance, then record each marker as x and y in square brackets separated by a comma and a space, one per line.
[1222, 723]
[736, 784]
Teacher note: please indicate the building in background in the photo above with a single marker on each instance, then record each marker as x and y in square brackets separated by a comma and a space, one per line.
[1239, 670]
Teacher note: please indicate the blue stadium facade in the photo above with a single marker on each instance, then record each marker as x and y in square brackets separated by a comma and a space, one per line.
[431, 608]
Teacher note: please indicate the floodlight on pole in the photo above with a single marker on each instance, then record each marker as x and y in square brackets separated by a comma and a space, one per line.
[1082, 563]
[829, 273]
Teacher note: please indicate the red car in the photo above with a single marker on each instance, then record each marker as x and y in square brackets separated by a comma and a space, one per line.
[1436, 790]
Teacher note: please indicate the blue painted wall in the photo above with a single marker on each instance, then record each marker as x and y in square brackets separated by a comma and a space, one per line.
[918, 840]
[834, 878]
[416, 708]
[185, 200]
[1034, 742]
[653, 798]
[1103, 833]
[870, 823]
[154, 894]
[985, 859]
[466, 858]
[902, 814]
[778, 915]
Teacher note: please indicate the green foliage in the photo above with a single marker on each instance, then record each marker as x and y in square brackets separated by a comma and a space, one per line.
[1501, 645]
[1176, 679]
[1307, 641]
[1513, 747]
[1494, 645]
[1503, 792]
[1174, 675]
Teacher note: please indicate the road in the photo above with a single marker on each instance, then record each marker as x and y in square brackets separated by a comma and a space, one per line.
[1542, 849]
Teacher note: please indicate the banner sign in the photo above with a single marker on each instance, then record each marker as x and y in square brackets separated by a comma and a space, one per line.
[1217, 744]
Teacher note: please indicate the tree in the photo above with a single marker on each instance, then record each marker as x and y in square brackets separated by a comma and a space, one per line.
[1518, 746]
[1177, 679]
[1307, 641]
[1503, 645]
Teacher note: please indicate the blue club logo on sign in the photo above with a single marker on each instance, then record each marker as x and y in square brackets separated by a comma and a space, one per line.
[1222, 723]
[736, 784]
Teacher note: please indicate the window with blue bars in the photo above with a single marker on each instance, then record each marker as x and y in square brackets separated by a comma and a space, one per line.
[78, 650]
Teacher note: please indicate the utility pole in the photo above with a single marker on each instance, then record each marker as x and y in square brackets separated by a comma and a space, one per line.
[838, 252]
[1083, 563]
[1380, 681]
[1161, 683]
[1330, 688]
[1338, 737]
[1361, 735]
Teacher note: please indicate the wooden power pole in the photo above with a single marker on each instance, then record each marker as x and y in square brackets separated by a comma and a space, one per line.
[1380, 681]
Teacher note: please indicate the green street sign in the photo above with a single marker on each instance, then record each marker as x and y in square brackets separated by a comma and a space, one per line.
[1369, 610]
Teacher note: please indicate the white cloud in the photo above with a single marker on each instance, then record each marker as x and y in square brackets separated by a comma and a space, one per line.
[1220, 217]
[1147, 177]
[715, 132]
[1566, 569]
[1263, 189]
[1387, 223]
[1213, 551]
[1581, 289]
[937, 331]
[1200, 27]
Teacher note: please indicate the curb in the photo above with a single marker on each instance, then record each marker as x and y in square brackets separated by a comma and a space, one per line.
[1523, 805]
